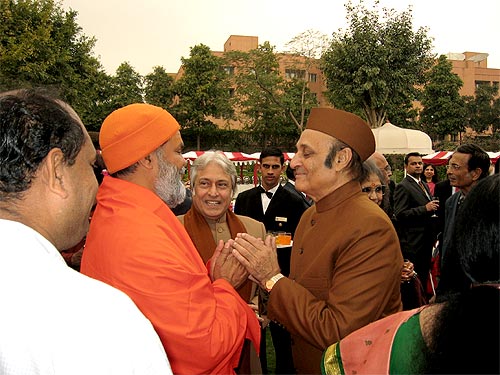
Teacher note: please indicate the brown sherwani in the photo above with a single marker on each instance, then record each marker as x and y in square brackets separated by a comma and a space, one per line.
[345, 273]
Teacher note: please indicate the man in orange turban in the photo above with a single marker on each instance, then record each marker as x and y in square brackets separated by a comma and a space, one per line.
[136, 244]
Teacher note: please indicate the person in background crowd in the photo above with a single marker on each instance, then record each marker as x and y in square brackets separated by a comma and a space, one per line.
[468, 164]
[280, 211]
[381, 162]
[413, 208]
[346, 262]
[431, 177]
[371, 180]
[53, 319]
[136, 244]
[436, 339]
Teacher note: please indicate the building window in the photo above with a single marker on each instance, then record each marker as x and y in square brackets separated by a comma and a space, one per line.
[482, 83]
[295, 74]
[313, 77]
[229, 70]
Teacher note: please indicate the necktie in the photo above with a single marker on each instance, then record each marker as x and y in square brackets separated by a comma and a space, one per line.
[420, 183]
[268, 193]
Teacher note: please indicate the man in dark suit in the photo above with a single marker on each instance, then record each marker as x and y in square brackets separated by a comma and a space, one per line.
[279, 210]
[290, 186]
[413, 207]
[443, 190]
[468, 165]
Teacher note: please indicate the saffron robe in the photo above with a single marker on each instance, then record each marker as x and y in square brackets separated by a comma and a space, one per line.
[136, 244]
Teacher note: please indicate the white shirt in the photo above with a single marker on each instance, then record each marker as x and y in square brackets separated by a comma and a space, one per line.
[265, 199]
[54, 320]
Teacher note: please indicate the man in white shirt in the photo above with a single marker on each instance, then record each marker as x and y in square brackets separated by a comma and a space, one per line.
[54, 320]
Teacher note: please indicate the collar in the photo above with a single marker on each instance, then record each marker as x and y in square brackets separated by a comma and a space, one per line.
[417, 180]
[338, 196]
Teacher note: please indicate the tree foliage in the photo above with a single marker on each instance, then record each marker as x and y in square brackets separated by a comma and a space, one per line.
[202, 90]
[483, 110]
[376, 65]
[159, 88]
[127, 86]
[42, 45]
[269, 105]
[444, 111]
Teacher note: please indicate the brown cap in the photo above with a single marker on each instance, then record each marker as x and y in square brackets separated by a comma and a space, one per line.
[131, 133]
[345, 127]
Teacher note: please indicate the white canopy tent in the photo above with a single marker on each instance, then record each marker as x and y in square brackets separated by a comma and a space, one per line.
[391, 139]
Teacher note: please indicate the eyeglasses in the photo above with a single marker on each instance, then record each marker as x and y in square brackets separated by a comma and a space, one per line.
[455, 167]
[377, 189]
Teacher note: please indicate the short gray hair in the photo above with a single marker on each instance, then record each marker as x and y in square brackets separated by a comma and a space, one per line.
[218, 157]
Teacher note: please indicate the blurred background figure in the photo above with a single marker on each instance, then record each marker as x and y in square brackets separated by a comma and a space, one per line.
[430, 177]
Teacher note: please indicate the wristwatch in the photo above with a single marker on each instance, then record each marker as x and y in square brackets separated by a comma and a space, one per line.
[273, 280]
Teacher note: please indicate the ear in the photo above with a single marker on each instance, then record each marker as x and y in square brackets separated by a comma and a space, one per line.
[53, 172]
[147, 161]
[342, 159]
[475, 174]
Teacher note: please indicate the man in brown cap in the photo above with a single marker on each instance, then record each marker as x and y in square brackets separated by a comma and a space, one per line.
[136, 244]
[346, 262]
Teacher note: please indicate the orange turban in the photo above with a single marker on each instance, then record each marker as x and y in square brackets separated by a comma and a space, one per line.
[344, 126]
[130, 133]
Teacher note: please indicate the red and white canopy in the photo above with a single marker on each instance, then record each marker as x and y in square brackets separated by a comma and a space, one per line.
[239, 158]
[441, 157]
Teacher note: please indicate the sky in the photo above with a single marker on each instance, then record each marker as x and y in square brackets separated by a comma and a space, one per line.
[149, 33]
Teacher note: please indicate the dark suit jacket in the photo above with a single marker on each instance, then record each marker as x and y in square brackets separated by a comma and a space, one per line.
[415, 226]
[291, 188]
[282, 214]
[443, 191]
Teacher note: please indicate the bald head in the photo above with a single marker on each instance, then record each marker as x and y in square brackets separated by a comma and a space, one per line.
[382, 164]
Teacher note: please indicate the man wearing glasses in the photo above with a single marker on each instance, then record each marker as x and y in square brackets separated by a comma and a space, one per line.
[468, 164]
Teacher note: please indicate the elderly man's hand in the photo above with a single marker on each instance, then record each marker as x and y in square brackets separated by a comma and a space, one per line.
[259, 257]
[224, 265]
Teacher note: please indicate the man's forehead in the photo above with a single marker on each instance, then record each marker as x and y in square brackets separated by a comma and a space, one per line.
[271, 160]
[314, 139]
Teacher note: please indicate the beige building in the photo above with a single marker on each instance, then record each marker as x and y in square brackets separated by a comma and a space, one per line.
[472, 68]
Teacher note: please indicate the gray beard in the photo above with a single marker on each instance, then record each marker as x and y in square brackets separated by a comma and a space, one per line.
[168, 185]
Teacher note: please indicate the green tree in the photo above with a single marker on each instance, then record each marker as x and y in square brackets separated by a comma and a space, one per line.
[127, 86]
[483, 110]
[376, 65]
[269, 106]
[159, 88]
[443, 108]
[203, 91]
[42, 45]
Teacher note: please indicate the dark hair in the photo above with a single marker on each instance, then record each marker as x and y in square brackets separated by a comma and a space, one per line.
[355, 166]
[435, 178]
[478, 158]
[272, 151]
[408, 155]
[31, 124]
[471, 310]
